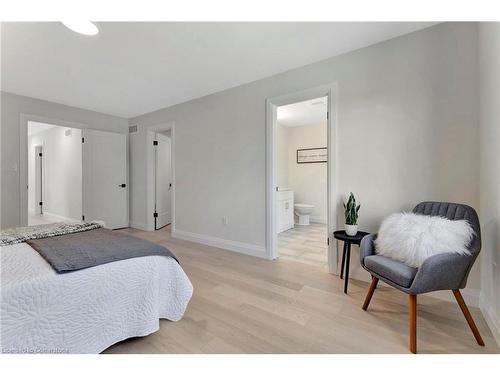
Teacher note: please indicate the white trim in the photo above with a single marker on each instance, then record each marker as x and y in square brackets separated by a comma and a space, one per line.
[52, 216]
[331, 91]
[471, 296]
[492, 319]
[150, 132]
[318, 219]
[236, 246]
[138, 225]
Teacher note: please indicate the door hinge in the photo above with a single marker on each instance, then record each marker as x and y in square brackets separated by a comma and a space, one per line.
[155, 143]
[83, 140]
[83, 217]
[40, 154]
[327, 115]
[155, 214]
[328, 241]
[40, 203]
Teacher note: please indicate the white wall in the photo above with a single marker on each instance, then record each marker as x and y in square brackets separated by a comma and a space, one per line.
[12, 108]
[489, 55]
[407, 131]
[62, 171]
[308, 181]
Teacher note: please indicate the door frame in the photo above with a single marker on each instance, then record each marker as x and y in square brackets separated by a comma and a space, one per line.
[24, 118]
[333, 198]
[150, 181]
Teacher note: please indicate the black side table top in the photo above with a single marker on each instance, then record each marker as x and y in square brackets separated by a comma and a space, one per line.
[342, 235]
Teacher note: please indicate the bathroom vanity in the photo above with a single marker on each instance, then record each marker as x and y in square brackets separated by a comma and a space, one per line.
[285, 215]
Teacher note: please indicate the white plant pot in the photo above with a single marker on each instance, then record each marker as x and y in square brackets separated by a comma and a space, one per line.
[351, 230]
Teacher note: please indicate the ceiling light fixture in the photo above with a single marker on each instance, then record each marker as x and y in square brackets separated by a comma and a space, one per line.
[82, 27]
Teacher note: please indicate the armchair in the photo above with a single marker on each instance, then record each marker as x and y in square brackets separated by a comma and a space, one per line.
[438, 272]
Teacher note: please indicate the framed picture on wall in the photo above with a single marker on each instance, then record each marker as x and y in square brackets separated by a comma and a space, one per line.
[312, 155]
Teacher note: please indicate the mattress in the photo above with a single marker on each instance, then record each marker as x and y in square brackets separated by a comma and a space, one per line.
[89, 310]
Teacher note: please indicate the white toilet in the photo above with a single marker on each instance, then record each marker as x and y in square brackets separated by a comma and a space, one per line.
[303, 211]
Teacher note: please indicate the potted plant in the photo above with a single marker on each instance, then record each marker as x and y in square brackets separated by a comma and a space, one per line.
[351, 216]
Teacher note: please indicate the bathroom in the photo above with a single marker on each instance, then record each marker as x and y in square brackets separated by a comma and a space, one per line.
[302, 181]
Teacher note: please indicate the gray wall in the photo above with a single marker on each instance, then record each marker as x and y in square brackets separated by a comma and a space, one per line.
[12, 107]
[489, 53]
[408, 131]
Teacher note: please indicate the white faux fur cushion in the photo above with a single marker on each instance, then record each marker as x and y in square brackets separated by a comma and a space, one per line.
[412, 238]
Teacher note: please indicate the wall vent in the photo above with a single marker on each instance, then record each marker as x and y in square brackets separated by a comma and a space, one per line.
[132, 129]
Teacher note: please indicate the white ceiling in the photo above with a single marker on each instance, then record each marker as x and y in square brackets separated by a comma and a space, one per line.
[38, 127]
[308, 112]
[131, 68]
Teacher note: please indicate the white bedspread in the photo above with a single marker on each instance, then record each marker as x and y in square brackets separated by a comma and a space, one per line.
[85, 311]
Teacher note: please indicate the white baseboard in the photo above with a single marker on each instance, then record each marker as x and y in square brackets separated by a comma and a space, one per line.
[318, 219]
[471, 296]
[52, 216]
[492, 319]
[239, 247]
[137, 225]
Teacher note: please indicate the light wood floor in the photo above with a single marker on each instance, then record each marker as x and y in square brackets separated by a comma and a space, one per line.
[305, 244]
[242, 304]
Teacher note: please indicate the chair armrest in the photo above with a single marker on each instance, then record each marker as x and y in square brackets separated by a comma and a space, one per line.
[442, 272]
[367, 247]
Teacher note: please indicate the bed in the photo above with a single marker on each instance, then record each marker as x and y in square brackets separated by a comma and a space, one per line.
[88, 310]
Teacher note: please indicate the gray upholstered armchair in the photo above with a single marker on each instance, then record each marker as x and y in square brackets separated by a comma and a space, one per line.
[439, 272]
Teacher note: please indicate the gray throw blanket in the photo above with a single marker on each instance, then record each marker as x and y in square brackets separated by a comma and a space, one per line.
[76, 251]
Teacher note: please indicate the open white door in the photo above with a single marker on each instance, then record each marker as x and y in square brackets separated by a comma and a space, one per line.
[163, 181]
[104, 178]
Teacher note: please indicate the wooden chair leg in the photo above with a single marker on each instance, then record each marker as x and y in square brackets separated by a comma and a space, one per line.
[468, 316]
[371, 290]
[412, 307]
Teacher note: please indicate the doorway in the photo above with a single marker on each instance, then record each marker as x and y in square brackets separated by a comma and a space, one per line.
[302, 164]
[160, 177]
[329, 95]
[54, 173]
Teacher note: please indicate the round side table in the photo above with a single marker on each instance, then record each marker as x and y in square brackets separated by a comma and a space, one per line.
[346, 256]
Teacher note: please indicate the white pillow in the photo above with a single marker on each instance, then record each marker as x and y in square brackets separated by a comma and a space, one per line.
[412, 238]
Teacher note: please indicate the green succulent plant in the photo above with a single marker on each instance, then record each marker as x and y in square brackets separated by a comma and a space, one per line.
[351, 211]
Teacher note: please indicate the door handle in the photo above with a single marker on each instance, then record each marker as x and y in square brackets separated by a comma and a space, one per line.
[169, 187]
[122, 185]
